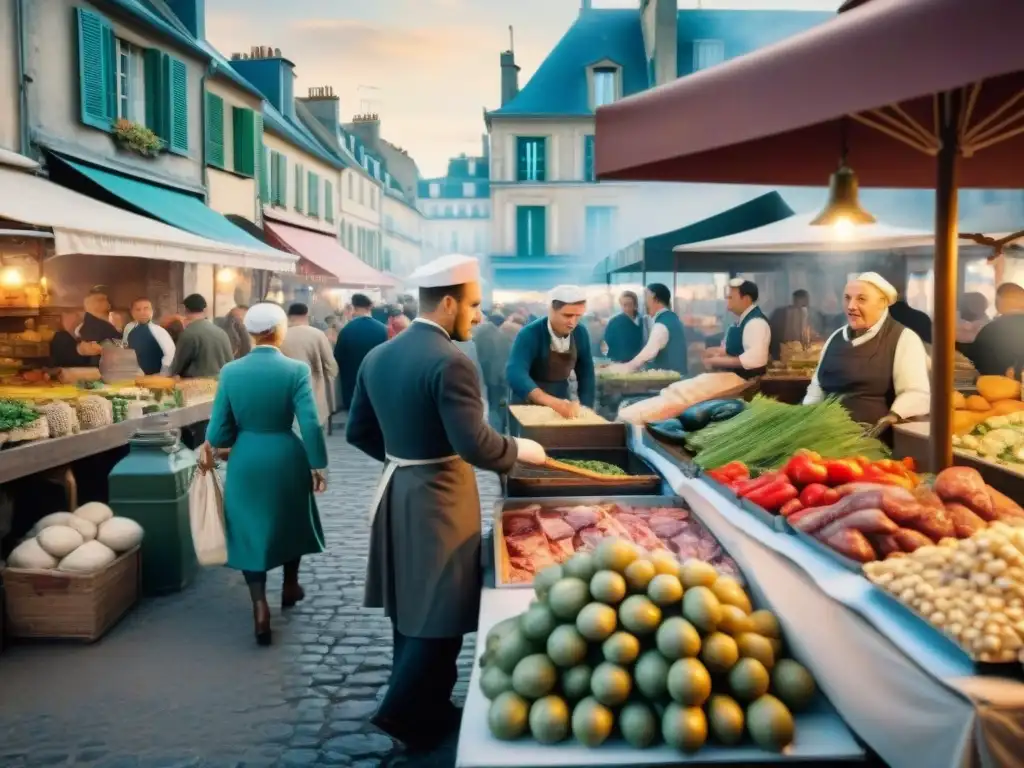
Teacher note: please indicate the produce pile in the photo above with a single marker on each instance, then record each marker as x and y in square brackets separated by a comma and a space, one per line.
[768, 433]
[86, 541]
[601, 467]
[999, 439]
[997, 396]
[542, 416]
[630, 639]
[536, 537]
[971, 589]
[653, 374]
[808, 480]
[870, 521]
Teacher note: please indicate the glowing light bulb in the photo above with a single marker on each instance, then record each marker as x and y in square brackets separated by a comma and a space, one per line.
[843, 227]
[11, 277]
[226, 275]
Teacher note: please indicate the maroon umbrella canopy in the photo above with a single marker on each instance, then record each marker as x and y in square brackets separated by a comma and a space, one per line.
[778, 115]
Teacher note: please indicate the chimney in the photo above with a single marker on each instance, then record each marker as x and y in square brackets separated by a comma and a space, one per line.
[586, 5]
[271, 73]
[660, 23]
[509, 71]
[323, 105]
[366, 127]
[485, 143]
[191, 13]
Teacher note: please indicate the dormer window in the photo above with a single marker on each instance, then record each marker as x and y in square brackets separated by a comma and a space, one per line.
[605, 83]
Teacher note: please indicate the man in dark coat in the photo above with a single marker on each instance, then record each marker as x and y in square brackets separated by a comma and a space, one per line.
[417, 406]
[203, 348]
[360, 334]
[624, 335]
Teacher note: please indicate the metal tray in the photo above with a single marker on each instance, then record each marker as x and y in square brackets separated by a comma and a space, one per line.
[776, 522]
[525, 481]
[501, 506]
[610, 435]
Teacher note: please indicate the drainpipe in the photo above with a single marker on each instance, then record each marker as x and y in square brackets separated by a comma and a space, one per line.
[23, 78]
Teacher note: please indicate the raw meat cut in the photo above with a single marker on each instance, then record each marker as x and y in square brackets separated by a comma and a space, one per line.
[580, 517]
[554, 525]
[588, 538]
[612, 527]
[665, 527]
[639, 532]
[520, 521]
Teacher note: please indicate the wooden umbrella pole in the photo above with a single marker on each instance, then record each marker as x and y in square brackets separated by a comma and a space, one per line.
[944, 320]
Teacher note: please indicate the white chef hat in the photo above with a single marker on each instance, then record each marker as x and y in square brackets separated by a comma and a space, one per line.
[453, 269]
[737, 282]
[264, 317]
[875, 279]
[568, 294]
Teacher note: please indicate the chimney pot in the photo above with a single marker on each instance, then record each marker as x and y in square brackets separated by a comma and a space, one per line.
[277, 53]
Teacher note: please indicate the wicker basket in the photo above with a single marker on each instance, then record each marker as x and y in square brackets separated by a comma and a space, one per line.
[71, 606]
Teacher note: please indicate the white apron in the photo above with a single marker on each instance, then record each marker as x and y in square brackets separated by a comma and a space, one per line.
[393, 463]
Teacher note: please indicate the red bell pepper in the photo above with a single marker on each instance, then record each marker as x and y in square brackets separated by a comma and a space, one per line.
[842, 471]
[735, 470]
[805, 469]
[909, 463]
[774, 495]
[748, 486]
[812, 495]
[791, 506]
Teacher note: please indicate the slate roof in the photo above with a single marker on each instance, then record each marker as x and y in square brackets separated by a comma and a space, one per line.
[458, 174]
[559, 86]
[146, 14]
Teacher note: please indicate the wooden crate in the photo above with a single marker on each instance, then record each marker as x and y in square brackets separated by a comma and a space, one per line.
[71, 606]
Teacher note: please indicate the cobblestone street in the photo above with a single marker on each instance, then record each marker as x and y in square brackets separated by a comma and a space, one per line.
[180, 682]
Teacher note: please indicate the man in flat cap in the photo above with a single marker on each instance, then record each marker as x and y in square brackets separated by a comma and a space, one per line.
[417, 407]
[203, 348]
[548, 350]
[877, 367]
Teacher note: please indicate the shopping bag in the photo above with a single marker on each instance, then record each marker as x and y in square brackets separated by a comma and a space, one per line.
[206, 518]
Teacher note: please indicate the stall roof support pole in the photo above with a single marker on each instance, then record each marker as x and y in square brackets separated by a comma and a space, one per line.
[946, 272]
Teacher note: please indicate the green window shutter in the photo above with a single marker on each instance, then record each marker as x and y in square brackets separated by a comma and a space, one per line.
[313, 202]
[300, 189]
[156, 106]
[588, 158]
[272, 182]
[97, 70]
[522, 227]
[246, 145]
[282, 189]
[531, 234]
[262, 164]
[539, 235]
[531, 158]
[176, 93]
[328, 201]
[214, 130]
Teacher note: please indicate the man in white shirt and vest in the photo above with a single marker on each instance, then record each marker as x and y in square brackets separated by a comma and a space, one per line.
[666, 347]
[745, 348]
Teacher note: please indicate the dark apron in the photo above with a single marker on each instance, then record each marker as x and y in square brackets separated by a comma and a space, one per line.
[551, 374]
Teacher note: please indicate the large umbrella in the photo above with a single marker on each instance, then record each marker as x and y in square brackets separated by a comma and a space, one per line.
[913, 93]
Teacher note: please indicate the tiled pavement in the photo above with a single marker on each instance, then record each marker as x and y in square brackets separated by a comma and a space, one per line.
[180, 683]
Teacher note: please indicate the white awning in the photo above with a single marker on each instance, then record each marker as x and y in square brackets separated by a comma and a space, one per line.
[796, 234]
[83, 225]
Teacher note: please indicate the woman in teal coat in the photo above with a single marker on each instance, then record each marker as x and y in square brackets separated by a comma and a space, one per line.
[269, 509]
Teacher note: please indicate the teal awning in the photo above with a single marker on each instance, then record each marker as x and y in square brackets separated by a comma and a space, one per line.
[178, 209]
[656, 252]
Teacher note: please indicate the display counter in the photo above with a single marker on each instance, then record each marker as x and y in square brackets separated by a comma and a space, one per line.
[912, 440]
[911, 696]
[42, 455]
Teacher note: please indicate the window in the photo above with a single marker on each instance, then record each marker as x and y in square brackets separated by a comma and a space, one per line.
[119, 80]
[531, 158]
[599, 229]
[387, 259]
[468, 189]
[362, 191]
[448, 212]
[351, 190]
[300, 187]
[588, 159]
[328, 201]
[278, 179]
[214, 130]
[605, 85]
[435, 189]
[531, 238]
[707, 53]
[471, 167]
[246, 139]
[454, 244]
[373, 197]
[341, 232]
[131, 83]
[351, 239]
[313, 195]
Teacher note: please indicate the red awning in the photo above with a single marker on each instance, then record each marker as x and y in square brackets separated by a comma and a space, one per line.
[776, 116]
[326, 253]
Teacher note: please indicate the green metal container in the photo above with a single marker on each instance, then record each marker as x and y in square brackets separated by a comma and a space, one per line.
[150, 485]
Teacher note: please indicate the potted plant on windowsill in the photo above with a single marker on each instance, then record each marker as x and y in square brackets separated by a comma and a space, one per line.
[137, 138]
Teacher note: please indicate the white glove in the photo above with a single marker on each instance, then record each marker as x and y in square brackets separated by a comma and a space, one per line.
[530, 451]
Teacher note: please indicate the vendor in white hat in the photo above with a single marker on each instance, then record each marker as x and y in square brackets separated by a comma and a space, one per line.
[417, 407]
[548, 350]
[877, 367]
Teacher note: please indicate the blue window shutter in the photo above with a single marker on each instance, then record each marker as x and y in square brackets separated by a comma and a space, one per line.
[522, 230]
[215, 130]
[329, 201]
[313, 197]
[522, 161]
[539, 236]
[542, 158]
[97, 70]
[588, 158]
[176, 94]
[300, 189]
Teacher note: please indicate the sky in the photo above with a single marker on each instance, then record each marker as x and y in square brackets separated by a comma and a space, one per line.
[428, 67]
